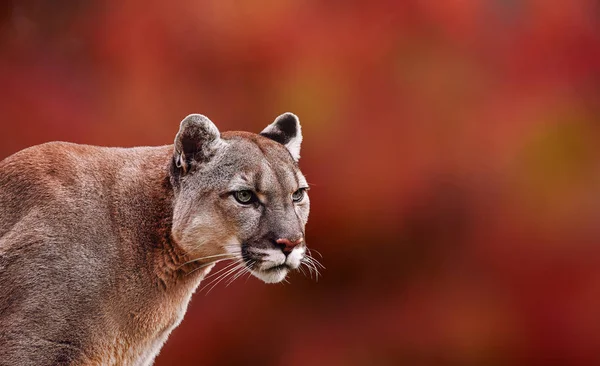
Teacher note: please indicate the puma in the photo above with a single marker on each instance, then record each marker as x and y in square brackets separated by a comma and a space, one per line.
[102, 248]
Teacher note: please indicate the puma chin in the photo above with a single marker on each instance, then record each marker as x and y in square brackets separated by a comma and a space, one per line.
[242, 197]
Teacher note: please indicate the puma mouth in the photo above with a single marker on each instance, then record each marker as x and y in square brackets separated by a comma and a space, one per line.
[278, 268]
[270, 265]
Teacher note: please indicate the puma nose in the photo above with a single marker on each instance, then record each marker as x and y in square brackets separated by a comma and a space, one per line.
[287, 245]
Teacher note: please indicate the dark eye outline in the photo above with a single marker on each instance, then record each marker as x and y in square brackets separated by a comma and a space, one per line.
[252, 197]
[302, 192]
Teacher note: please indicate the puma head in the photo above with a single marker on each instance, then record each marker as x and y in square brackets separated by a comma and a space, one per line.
[241, 196]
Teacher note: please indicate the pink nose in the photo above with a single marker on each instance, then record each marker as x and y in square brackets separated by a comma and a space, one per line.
[287, 245]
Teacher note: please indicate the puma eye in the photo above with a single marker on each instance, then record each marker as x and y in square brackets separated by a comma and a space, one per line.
[245, 197]
[298, 195]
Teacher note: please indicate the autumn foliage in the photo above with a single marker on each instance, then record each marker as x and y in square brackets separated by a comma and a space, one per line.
[452, 147]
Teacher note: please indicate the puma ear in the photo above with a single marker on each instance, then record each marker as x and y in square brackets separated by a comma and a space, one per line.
[195, 142]
[287, 131]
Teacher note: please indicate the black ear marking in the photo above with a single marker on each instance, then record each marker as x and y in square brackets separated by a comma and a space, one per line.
[287, 131]
[286, 128]
[195, 142]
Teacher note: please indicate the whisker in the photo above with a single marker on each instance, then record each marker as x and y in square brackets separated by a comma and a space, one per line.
[237, 273]
[316, 251]
[310, 270]
[240, 273]
[302, 270]
[207, 257]
[312, 259]
[250, 271]
[311, 262]
[221, 270]
[231, 271]
[318, 273]
[200, 267]
[316, 269]
[224, 271]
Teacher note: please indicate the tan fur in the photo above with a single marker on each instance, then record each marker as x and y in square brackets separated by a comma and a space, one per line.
[97, 244]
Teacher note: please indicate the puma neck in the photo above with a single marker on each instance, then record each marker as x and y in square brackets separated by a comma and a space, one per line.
[145, 222]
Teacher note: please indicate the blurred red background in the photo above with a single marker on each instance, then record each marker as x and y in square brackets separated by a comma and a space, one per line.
[452, 148]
